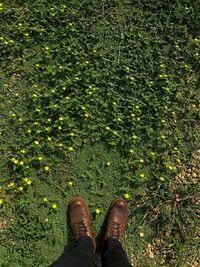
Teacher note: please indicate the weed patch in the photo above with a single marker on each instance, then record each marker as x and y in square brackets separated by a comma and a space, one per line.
[99, 99]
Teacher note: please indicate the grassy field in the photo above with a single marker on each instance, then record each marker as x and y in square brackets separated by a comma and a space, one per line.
[99, 99]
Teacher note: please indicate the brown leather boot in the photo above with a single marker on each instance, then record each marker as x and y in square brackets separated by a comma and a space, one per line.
[80, 219]
[117, 220]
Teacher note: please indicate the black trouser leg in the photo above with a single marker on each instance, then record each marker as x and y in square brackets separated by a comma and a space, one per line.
[113, 254]
[81, 255]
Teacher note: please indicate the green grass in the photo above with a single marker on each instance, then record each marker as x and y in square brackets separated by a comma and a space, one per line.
[99, 99]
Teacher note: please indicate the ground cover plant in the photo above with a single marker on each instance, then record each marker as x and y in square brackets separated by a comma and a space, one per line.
[99, 99]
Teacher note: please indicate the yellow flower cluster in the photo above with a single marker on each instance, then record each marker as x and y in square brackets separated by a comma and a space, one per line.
[27, 181]
[11, 184]
[14, 160]
[53, 205]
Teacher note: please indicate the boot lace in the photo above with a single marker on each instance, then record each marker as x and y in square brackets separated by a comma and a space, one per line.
[115, 230]
[81, 228]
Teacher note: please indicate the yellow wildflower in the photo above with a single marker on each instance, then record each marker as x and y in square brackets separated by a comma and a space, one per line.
[170, 167]
[29, 182]
[36, 142]
[1, 201]
[60, 145]
[20, 188]
[54, 206]
[134, 136]
[141, 175]
[14, 160]
[126, 196]
[40, 158]
[11, 184]
[141, 234]
[97, 211]
[46, 168]
[70, 183]
[141, 160]
[45, 199]
[162, 65]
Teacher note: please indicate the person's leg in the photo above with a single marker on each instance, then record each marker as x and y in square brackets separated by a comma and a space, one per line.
[80, 255]
[113, 255]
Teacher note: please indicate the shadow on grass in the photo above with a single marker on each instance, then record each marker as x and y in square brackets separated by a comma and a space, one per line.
[69, 243]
